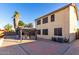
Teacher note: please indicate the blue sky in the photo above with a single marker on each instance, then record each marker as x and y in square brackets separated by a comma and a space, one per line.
[28, 11]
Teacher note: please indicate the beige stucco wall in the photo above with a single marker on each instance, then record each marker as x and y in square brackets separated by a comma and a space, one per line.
[72, 23]
[61, 20]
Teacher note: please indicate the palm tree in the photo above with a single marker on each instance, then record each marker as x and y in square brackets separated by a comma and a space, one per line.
[16, 19]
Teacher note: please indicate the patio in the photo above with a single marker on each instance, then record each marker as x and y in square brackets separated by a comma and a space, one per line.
[32, 47]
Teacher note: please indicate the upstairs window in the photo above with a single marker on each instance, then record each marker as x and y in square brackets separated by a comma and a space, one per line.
[38, 22]
[45, 31]
[52, 18]
[58, 31]
[45, 20]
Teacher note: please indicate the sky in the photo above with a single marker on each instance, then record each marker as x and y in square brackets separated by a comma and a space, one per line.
[28, 11]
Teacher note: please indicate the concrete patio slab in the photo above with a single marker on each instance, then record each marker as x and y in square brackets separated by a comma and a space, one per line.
[12, 50]
[1, 41]
[74, 49]
[10, 42]
[11, 47]
[45, 48]
[33, 47]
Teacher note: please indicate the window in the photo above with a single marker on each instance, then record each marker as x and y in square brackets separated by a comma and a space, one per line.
[45, 31]
[52, 18]
[39, 32]
[58, 31]
[38, 22]
[45, 20]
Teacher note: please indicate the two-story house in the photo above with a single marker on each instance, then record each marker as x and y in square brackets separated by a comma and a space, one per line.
[59, 23]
